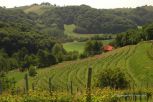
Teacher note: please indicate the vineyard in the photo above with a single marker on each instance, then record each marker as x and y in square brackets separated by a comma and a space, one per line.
[67, 81]
[135, 60]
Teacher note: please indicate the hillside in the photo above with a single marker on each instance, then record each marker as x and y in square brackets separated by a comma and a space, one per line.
[89, 20]
[35, 8]
[134, 60]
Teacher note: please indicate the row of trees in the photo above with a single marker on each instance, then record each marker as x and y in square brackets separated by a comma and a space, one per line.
[42, 58]
[134, 36]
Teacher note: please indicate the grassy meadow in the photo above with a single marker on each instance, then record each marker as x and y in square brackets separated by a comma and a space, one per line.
[74, 46]
[79, 46]
[69, 32]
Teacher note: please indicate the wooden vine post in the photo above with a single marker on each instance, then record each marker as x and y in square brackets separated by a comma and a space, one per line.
[33, 86]
[0, 87]
[88, 99]
[50, 86]
[71, 86]
[26, 83]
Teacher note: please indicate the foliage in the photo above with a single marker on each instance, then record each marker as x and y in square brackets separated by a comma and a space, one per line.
[58, 51]
[113, 78]
[135, 36]
[5, 82]
[90, 20]
[46, 58]
[73, 55]
[93, 47]
[104, 95]
[32, 71]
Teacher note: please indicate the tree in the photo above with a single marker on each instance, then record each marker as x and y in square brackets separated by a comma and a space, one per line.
[4, 64]
[31, 60]
[32, 71]
[149, 32]
[93, 47]
[58, 51]
[45, 58]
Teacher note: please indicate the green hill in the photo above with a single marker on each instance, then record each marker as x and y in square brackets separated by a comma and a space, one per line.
[136, 60]
[38, 9]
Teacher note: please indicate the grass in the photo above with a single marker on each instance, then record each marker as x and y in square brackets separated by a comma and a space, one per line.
[38, 9]
[133, 59]
[69, 31]
[74, 46]
[79, 46]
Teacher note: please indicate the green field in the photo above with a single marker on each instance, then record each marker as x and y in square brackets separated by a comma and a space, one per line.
[38, 9]
[74, 46]
[69, 31]
[134, 59]
[79, 46]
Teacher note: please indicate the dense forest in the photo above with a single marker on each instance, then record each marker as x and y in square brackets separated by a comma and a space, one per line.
[91, 20]
[27, 40]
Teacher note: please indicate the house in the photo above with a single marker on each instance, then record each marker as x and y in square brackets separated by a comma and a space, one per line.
[108, 48]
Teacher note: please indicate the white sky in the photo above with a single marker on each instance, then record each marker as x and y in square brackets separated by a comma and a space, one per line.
[92, 3]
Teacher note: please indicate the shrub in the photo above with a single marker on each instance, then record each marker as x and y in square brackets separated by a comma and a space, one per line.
[113, 78]
[71, 56]
[93, 47]
[32, 71]
[83, 55]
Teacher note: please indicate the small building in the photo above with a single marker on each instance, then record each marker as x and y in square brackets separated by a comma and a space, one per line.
[107, 48]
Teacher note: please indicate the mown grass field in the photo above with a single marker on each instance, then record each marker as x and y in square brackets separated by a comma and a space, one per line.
[74, 46]
[38, 9]
[69, 31]
[79, 46]
[133, 59]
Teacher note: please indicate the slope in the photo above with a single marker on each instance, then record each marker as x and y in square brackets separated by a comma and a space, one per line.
[133, 59]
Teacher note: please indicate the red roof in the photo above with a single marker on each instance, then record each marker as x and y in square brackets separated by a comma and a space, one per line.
[108, 48]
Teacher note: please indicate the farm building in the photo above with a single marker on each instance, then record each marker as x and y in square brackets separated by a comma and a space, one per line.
[108, 48]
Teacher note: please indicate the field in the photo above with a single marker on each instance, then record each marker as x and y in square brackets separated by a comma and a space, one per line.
[74, 46]
[134, 59]
[38, 9]
[79, 46]
[69, 31]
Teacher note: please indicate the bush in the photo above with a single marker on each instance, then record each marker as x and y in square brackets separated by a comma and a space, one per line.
[93, 47]
[83, 55]
[32, 71]
[71, 56]
[113, 78]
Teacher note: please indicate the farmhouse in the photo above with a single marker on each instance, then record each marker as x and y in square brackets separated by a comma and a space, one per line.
[108, 48]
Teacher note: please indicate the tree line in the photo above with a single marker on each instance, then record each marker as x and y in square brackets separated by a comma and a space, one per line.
[134, 36]
[90, 20]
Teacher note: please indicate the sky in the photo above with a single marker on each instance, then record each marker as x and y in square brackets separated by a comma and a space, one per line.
[92, 3]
